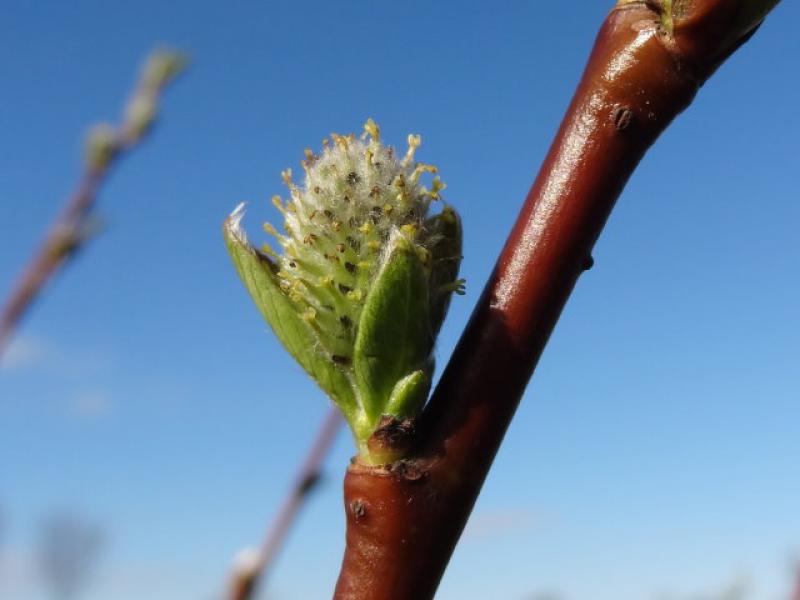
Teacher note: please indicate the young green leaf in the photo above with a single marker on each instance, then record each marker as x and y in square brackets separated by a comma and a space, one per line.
[257, 272]
[394, 336]
[410, 393]
[444, 244]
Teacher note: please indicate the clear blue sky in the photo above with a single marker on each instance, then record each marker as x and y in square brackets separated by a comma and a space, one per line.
[655, 453]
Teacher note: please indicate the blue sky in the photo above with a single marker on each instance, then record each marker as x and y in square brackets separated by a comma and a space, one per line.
[655, 452]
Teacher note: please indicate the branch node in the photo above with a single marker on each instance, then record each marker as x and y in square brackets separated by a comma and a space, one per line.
[392, 439]
[622, 117]
[359, 509]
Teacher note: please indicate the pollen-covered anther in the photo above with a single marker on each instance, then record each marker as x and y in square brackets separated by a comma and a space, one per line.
[414, 142]
[267, 249]
[372, 130]
[436, 187]
[341, 141]
[277, 202]
[421, 168]
[270, 229]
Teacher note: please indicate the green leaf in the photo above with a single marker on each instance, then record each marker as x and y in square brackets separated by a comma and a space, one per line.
[257, 272]
[394, 335]
[410, 393]
[444, 232]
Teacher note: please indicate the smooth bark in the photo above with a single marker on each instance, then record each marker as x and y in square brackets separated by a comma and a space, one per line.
[404, 519]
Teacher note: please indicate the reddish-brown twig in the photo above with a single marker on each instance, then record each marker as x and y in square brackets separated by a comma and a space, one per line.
[248, 573]
[403, 519]
[106, 145]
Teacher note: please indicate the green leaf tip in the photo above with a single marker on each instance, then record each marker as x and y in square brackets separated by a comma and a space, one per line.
[362, 284]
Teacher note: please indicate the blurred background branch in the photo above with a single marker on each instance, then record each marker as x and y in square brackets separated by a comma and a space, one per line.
[70, 547]
[105, 146]
[251, 565]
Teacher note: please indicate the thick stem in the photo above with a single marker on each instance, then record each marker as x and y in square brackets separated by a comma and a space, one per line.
[404, 520]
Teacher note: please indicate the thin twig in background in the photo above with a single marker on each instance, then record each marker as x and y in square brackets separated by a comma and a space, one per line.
[106, 145]
[251, 567]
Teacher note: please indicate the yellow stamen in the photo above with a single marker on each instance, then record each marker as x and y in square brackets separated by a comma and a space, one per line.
[414, 142]
[372, 130]
[421, 168]
[340, 140]
[267, 249]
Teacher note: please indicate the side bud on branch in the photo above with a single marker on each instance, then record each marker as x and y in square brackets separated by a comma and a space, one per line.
[364, 279]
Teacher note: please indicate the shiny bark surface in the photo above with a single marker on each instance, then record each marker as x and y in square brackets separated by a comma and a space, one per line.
[404, 519]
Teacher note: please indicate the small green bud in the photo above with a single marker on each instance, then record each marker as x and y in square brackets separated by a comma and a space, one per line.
[365, 277]
[162, 67]
[410, 393]
[101, 146]
[140, 113]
